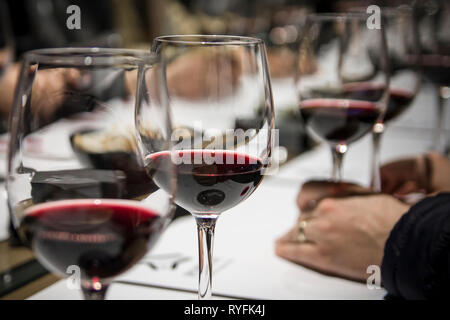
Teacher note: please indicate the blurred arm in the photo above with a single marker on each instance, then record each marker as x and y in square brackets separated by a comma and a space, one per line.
[416, 262]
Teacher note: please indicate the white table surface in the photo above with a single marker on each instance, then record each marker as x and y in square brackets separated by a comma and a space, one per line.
[117, 291]
[245, 263]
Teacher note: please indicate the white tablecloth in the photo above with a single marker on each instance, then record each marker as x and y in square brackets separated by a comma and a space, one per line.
[245, 263]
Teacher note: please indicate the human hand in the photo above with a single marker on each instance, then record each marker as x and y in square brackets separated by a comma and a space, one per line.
[313, 191]
[194, 76]
[343, 236]
[423, 174]
[48, 92]
[404, 176]
[49, 89]
[7, 86]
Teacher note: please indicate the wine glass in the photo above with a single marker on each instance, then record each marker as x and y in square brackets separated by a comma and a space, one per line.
[282, 36]
[343, 86]
[405, 75]
[211, 82]
[79, 195]
[433, 19]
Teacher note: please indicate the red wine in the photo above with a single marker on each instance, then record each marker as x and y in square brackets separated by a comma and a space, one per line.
[399, 99]
[436, 67]
[339, 120]
[102, 237]
[208, 181]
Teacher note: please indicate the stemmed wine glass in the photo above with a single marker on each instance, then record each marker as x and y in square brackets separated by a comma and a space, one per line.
[78, 192]
[344, 90]
[211, 82]
[433, 19]
[405, 74]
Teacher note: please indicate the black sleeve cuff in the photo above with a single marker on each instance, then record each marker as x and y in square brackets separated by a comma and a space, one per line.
[416, 262]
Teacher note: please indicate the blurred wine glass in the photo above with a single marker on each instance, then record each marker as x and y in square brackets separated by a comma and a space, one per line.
[78, 192]
[282, 37]
[433, 19]
[403, 51]
[343, 88]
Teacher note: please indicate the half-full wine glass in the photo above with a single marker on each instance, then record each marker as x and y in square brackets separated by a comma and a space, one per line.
[344, 90]
[211, 82]
[405, 74]
[77, 189]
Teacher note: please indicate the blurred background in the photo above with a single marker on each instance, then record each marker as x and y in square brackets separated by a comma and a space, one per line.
[135, 23]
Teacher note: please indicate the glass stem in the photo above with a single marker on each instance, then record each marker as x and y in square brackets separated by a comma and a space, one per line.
[94, 291]
[377, 132]
[439, 143]
[205, 228]
[338, 151]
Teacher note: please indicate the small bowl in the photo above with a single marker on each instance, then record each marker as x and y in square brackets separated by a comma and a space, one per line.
[138, 183]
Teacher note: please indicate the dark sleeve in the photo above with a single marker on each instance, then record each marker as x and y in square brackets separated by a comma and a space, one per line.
[416, 262]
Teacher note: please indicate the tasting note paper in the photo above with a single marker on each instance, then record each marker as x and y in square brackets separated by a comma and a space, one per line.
[245, 265]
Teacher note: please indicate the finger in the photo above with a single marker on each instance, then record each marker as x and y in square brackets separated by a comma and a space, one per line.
[310, 193]
[408, 187]
[310, 231]
[387, 184]
[307, 214]
[395, 174]
[390, 179]
[313, 192]
[72, 76]
[130, 82]
[301, 253]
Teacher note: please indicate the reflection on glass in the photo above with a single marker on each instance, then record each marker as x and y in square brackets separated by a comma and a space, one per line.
[78, 192]
[211, 82]
[344, 90]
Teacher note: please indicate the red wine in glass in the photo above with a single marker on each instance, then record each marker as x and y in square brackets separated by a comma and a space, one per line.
[208, 181]
[399, 99]
[102, 237]
[436, 67]
[339, 120]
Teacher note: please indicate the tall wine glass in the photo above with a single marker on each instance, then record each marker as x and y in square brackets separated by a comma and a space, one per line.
[433, 19]
[405, 75]
[211, 82]
[343, 91]
[78, 193]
